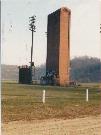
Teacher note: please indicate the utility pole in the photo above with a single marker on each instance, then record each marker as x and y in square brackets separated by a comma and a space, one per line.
[100, 45]
[32, 28]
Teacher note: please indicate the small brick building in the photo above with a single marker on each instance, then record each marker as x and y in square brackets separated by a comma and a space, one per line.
[24, 75]
[58, 45]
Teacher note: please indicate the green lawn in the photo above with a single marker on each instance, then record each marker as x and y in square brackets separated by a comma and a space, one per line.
[24, 102]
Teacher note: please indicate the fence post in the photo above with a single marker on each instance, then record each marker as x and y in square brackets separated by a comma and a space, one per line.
[43, 96]
[86, 95]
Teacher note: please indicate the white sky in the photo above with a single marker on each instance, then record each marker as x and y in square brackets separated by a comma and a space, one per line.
[16, 37]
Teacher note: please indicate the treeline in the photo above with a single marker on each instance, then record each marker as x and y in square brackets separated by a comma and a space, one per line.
[9, 72]
[86, 69]
[82, 69]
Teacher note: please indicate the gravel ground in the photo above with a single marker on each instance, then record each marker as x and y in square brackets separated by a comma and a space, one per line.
[80, 126]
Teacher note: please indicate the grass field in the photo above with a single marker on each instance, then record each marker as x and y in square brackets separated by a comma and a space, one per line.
[24, 102]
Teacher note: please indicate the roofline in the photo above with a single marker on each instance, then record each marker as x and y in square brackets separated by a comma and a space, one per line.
[61, 9]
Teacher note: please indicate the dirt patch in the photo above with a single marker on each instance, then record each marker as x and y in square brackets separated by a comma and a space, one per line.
[79, 126]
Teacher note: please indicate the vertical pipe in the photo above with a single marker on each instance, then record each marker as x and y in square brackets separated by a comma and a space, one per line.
[87, 95]
[43, 97]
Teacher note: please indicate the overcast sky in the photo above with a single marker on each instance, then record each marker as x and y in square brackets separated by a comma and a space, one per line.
[16, 37]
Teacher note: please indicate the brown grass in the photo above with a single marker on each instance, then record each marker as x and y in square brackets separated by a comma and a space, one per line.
[23, 102]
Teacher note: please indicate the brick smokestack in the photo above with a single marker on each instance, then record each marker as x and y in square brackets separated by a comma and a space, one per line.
[58, 45]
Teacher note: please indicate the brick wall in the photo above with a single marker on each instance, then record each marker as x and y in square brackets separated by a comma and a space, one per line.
[58, 46]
